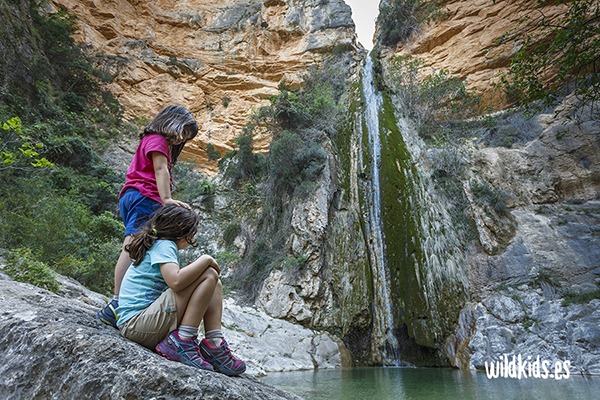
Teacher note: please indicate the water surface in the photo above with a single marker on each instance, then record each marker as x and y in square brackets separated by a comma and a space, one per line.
[427, 384]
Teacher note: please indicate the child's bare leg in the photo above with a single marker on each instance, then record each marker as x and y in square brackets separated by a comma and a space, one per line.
[193, 301]
[122, 264]
[214, 311]
[214, 347]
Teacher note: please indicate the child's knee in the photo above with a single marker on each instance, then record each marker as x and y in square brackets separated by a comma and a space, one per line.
[212, 274]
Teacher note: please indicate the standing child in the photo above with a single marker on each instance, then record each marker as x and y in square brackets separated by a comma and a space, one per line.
[161, 303]
[148, 183]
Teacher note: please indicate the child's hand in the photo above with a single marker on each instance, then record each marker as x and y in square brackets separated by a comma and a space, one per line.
[177, 203]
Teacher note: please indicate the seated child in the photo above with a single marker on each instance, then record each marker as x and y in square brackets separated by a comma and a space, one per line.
[161, 303]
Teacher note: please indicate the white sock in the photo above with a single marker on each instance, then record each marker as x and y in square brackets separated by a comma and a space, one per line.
[187, 332]
[214, 337]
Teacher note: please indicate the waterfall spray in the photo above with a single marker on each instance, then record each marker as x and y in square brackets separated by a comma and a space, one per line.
[384, 339]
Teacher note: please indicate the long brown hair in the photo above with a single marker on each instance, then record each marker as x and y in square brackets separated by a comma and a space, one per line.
[176, 124]
[168, 223]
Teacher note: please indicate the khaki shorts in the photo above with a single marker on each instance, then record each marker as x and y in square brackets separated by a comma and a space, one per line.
[151, 326]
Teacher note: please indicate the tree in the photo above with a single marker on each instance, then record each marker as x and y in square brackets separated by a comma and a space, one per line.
[562, 53]
[17, 150]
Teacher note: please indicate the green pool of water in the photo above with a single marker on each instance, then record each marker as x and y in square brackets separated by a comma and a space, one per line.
[429, 384]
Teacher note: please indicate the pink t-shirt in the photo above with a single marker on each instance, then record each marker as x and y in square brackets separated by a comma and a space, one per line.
[140, 174]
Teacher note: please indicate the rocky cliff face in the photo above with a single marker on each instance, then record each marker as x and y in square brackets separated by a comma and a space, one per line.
[220, 59]
[475, 40]
[528, 263]
[522, 291]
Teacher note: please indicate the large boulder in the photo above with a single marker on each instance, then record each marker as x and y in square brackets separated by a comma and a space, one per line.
[53, 347]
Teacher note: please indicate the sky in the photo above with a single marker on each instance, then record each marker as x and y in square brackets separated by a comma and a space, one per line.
[364, 13]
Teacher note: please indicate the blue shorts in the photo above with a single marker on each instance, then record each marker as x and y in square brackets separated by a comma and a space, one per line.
[136, 210]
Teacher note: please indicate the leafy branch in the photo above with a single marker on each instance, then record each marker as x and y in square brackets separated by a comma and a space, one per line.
[17, 148]
[556, 54]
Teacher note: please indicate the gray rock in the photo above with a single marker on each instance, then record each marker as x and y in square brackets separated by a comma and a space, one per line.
[540, 328]
[268, 344]
[53, 347]
[504, 308]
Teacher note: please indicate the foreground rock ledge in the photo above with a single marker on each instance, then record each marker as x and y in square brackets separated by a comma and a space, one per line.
[52, 347]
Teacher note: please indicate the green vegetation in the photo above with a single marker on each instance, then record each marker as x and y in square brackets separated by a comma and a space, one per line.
[23, 267]
[191, 185]
[300, 121]
[560, 54]
[399, 19]
[434, 101]
[58, 197]
[489, 196]
[17, 150]
[247, 165]
[212, 153]
[580, 298]
[230, 232]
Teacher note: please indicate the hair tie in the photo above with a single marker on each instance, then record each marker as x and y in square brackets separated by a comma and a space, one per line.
[154, 232]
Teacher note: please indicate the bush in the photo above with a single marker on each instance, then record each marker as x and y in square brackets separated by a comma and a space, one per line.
[17, 150]
[432, 102]
[230, 232]
[23, 267]
[447, 161]
[212, 153]
[293, 164]
[191, 184]
[399, 19]
[489, 196]
[560, 53]
[242, 164]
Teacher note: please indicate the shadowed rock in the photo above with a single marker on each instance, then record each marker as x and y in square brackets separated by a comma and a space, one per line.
[53, 347]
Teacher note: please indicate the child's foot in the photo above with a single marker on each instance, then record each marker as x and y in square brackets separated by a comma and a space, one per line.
[221, 358]
[108, 314]
[186, 352]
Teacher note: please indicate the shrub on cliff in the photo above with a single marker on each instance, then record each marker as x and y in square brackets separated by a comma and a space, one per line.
[562, 53]
[399, 19]
[431, 101]
[22, 266]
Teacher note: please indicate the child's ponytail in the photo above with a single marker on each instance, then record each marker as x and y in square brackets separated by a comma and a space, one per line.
[168, 223]
[141, 243]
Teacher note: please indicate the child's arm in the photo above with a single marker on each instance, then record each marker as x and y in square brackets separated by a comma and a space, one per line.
[163, 179]
[180, 278]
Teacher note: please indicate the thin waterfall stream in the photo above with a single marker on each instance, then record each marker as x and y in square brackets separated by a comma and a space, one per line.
[384, 340]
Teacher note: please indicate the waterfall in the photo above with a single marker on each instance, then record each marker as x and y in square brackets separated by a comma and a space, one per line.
[418, 274]
[384, 339]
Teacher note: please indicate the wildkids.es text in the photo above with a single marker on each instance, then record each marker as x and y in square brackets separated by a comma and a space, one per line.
[520, 367]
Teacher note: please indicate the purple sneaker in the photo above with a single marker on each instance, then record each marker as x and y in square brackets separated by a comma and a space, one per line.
[186, 352]
[221, 358]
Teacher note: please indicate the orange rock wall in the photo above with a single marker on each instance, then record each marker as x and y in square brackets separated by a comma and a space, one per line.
[467, 42]
[221, 59]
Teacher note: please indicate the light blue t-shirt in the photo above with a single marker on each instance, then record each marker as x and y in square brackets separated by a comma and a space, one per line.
[144, 283]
